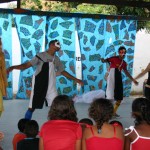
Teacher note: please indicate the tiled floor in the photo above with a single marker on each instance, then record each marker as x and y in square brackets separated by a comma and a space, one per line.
[15, 110]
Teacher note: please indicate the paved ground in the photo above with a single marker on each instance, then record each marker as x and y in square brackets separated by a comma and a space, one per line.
[15, 110]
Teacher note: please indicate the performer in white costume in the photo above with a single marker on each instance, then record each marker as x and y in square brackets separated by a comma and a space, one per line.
[44, 79]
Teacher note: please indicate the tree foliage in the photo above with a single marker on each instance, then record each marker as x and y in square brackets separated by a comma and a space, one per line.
[75, 7]
[141, 12]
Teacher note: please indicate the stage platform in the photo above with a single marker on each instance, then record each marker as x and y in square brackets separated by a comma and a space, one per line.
[15, 110]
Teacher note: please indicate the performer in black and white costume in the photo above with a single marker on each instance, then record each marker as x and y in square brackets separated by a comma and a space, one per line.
[44, 79]
[114, 88]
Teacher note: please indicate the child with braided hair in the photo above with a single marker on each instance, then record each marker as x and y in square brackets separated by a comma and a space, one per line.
[138, 137]
[96, 136]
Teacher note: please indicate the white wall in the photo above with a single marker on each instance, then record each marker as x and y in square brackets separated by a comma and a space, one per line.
[141, 58]
[16, 59]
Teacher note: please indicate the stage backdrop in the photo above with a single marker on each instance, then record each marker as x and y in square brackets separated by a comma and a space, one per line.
[101, 38]
[63, 29]
[98, 38]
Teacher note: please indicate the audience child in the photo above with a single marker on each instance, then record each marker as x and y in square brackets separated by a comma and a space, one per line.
[85, 123]
[20, 135]
[138, 137]
[61, 131]
[31, 142]
[96, 137]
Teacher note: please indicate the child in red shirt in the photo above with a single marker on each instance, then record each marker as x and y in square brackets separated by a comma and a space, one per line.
[20, 135]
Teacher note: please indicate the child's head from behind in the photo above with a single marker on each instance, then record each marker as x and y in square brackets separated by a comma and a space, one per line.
[31, 128]
[86, 121]
[21, 124]
[62, 108]
[141, 110]
[101, 110]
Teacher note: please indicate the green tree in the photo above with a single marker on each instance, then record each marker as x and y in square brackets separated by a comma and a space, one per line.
[140, 12]
[89, 8]
[95, 9]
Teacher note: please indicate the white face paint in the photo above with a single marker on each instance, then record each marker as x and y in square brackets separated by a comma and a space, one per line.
[122, 53]
[57, 44]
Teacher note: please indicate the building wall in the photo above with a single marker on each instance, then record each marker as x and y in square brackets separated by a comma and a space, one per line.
[141, 58]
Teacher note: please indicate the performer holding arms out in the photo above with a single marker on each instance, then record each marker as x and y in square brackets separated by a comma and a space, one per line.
[114, 88]
[147, 86]
[44, 79]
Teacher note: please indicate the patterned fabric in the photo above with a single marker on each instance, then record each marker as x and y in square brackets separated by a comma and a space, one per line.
[96, 142]
[91, 35]
[98, 38]
[56, 131]
[101, 38]
[63, 29]
[31, 35]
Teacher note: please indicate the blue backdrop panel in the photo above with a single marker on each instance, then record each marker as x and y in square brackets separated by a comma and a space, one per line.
[31, 33]
[121, 33]
[91, 33]
[101, 39]
[6, 35]
[63, 29]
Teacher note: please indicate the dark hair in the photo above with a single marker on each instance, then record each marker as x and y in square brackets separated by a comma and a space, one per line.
[21, 124]
[31, 128]
[53, 41]
[121, 48]
[141, 110]
[101, 110]
[86, 121]
[62, 108]
[116, 122]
